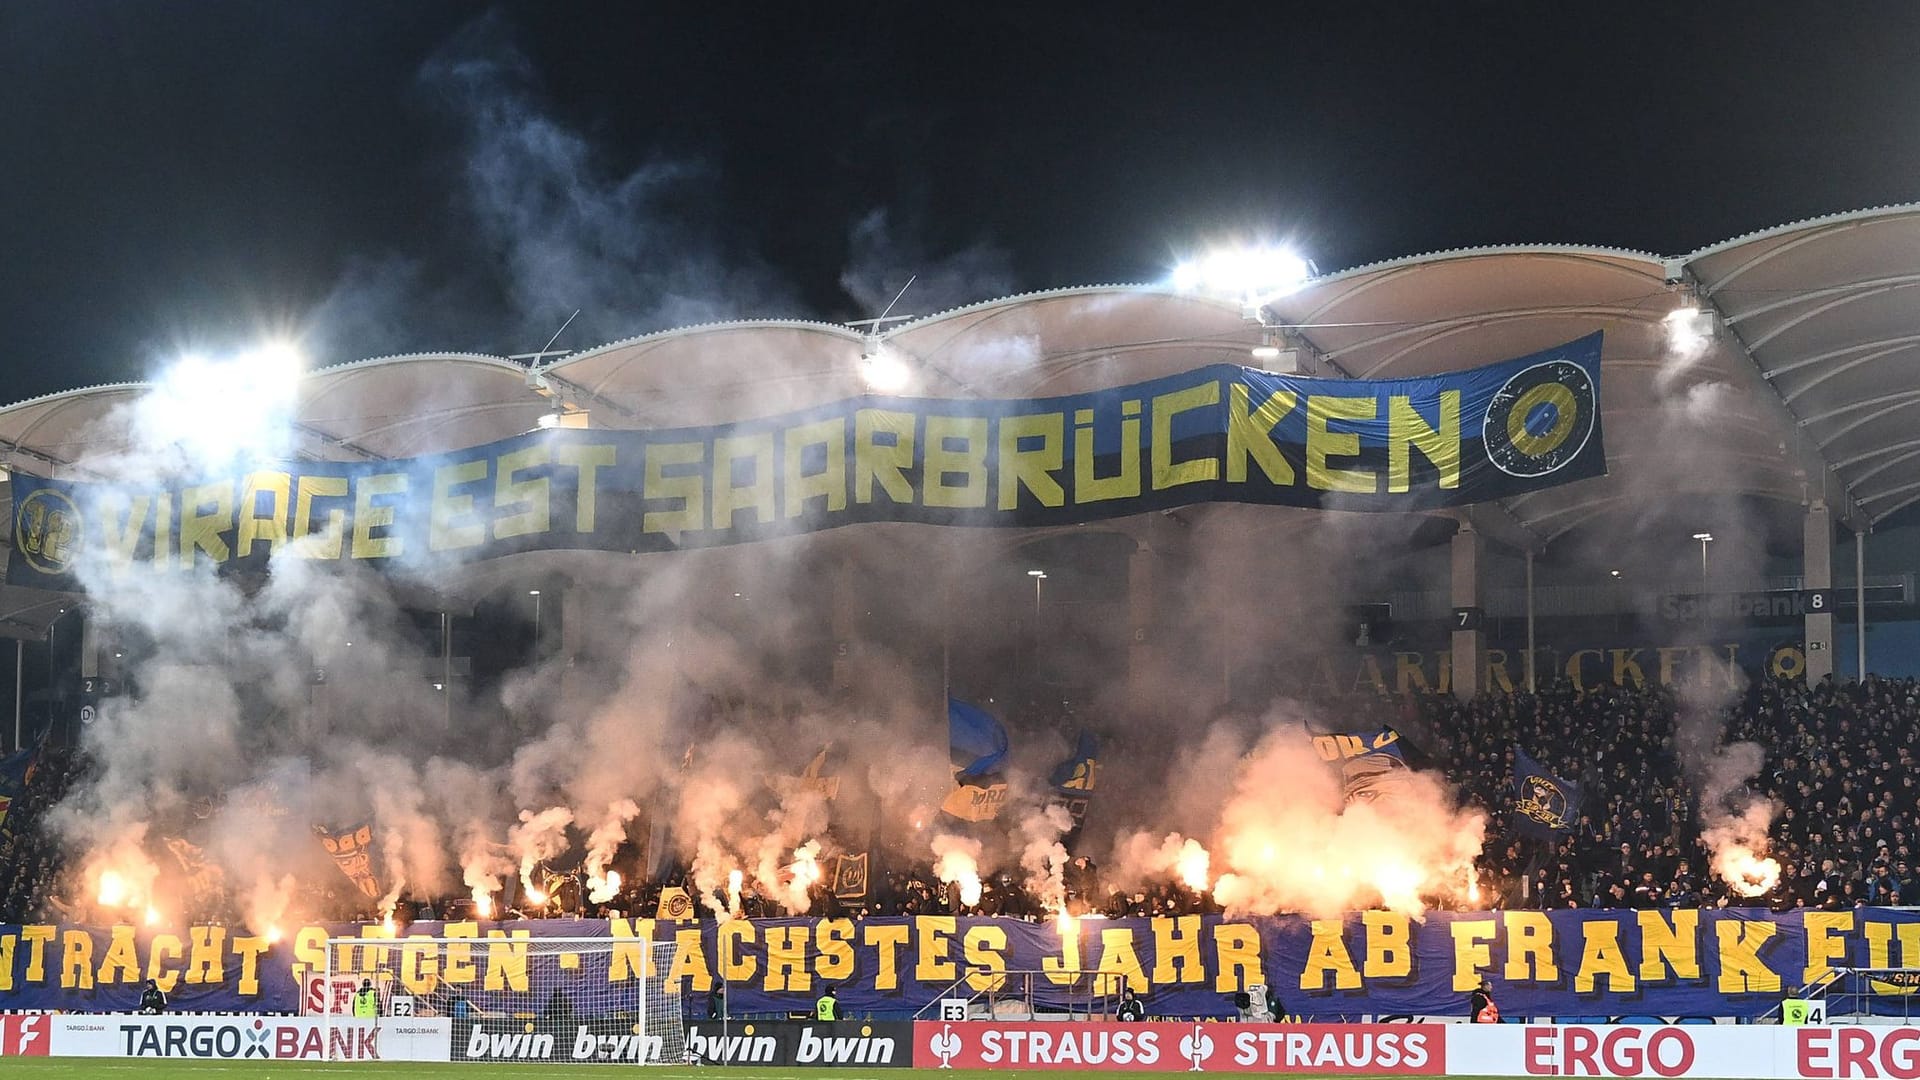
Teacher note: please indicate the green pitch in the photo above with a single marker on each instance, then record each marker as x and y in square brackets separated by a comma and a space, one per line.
[149, 1069]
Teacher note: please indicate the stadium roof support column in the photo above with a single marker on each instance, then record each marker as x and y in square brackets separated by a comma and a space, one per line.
[1860, 605]
[845, 601]
[1817, 573]
[1532, 650]
[570, 611]
[1469, 645]
[1140, 583]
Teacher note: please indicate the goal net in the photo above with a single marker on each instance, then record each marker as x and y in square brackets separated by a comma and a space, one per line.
[509, 999]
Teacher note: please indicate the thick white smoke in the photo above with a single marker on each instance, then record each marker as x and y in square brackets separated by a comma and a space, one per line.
[1284, 838]
[1734, 820]
[1044, 857]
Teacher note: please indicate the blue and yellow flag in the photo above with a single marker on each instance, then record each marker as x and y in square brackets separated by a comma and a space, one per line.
[850, 877]
[1543, 804]
[1074, 778]
[1077, 774]
[977, 738]
[817, 776]
[977, 743]
[1371, 764]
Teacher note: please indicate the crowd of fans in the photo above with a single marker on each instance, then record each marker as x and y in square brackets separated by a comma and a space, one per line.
[30, 858]
[1837, 763]
[1836, 759]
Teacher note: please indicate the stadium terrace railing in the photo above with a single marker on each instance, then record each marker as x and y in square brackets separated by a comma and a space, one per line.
[1015, 995]
[1863, 995]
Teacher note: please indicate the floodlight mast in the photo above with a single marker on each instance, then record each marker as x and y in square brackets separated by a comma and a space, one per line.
[883, 370]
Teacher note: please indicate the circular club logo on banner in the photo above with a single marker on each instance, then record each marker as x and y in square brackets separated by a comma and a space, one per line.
[1541, 419]
[46, 529]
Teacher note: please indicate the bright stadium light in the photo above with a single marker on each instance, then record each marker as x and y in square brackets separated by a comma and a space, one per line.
[883, 368]
[1689, 329]
[549, 420]
[276, 364]
[220, 409]
[1253, 274]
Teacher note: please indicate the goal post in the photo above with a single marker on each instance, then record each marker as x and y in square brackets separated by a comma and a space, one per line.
[549, 999]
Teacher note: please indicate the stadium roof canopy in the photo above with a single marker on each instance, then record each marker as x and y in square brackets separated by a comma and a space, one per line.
[1810, 389]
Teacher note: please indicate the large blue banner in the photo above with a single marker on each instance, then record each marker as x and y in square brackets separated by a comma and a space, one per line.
[1562, 963]
[1215, 434]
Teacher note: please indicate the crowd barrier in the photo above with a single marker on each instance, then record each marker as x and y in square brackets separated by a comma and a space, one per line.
[1760, 1052]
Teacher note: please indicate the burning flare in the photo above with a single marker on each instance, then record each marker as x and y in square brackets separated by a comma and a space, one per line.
[805, 871]
[603, 884]
[1745, 872]
[600, 890]
[1738, 847]
[734, 879]
[957, 863]
[1192, 864]
[112, 890]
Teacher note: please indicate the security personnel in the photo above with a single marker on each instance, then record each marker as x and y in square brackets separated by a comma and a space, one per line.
[1480, 1006]
[152, 1001]
[828, 1007]
[1131, 1010]
[366, 1003]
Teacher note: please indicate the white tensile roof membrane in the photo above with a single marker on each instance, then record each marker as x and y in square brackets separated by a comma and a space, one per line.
[1809, 390]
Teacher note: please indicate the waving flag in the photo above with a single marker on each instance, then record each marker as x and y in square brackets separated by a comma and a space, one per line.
[978, 746]
[1074, 778]
[352, 851]
[979, 741]
[1543, 804]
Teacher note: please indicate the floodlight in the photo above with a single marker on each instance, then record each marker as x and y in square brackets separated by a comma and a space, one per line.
[1266, 352]
[1254, 274]
[883, 369]
[280, 360]
[549, 420]
[222, 410]
[1689, 328]
[1036, 573]
[1703, 537]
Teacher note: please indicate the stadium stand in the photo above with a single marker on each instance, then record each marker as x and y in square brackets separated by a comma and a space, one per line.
[1839, 763]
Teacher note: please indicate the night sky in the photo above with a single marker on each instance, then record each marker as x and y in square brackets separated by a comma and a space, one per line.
[378, 178]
